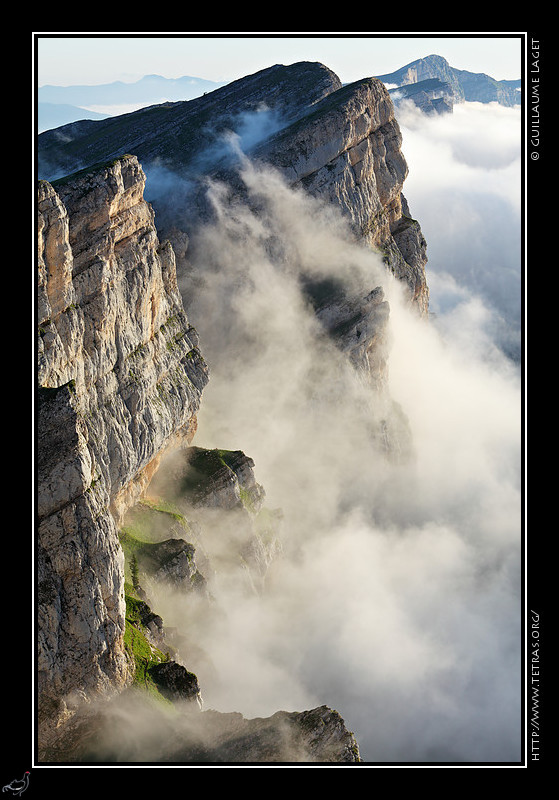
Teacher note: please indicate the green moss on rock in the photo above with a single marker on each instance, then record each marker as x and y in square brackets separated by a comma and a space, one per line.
[142, 654]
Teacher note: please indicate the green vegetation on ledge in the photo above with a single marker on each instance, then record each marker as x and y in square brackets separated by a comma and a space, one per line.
[204, 465]
[141, 541]
[141, 652]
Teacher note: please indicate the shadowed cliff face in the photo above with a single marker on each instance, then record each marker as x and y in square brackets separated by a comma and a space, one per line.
[120, 380]
[347, 152]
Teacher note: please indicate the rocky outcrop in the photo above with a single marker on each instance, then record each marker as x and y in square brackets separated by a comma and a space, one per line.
[220, 479]
[233, 530]
[176, 682]
[317, 736]
[127, 733]
[120, 379]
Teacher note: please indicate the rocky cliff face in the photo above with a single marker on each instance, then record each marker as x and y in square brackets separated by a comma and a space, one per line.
[121, 377]
[347, 151]
[120, 380]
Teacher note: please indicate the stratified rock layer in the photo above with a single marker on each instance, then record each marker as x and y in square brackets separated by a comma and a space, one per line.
[120, 379]
[121, 376]
[347, 152]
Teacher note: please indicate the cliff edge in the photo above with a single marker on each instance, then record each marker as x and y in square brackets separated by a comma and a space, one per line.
[120, 379]
[120, 383]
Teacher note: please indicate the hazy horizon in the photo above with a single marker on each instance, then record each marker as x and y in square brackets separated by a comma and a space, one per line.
[77, 60]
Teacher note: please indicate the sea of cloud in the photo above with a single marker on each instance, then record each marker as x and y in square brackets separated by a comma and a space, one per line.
[464, 186]
[397, 600]
[397, 597]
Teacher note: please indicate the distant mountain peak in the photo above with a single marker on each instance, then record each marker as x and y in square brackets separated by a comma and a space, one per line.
[113, 98]
[464, 85]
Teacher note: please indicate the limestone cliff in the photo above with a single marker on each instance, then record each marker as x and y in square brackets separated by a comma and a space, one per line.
[347, 151]
[120, 382]
[121, 376]
[120, 379]
[342, 144]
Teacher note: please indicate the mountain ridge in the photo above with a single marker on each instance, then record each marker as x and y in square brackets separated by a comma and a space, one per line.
[61, 105]
[124, 368]
[118, 92]
[299, 104]
[153, 89]
[463, 84]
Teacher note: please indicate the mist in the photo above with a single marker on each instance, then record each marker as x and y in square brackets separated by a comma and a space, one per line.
[396, 599]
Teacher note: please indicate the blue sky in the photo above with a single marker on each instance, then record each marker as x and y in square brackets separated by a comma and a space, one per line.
[86, 58]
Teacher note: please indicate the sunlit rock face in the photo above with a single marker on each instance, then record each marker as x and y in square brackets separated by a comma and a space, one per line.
[341, 143]
[121, 374]
[120, 379]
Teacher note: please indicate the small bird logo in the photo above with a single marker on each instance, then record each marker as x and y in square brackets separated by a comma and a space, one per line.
[17, 787]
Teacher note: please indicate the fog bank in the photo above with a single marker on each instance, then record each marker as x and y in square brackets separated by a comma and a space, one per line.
[397, 598]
